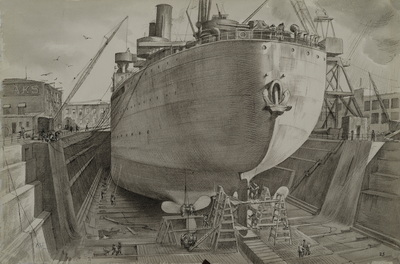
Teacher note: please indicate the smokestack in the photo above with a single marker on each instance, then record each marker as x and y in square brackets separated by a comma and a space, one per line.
[164, 21]
[152, 29]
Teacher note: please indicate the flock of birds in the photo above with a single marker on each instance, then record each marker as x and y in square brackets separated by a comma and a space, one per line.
[66, 64]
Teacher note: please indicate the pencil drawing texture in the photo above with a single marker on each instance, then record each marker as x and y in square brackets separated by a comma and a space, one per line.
[227, 132]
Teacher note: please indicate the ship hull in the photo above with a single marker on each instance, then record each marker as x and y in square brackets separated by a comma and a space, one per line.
[200, 114]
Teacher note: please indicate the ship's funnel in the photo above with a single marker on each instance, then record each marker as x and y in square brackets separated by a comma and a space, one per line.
[152, 29]
[164, 21]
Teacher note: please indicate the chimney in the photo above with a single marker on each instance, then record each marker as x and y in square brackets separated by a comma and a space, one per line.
[164, 21]
[152, 29]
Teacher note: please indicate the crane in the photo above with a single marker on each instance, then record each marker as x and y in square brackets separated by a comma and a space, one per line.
[88, 68]
[304, 16]
[378, 96]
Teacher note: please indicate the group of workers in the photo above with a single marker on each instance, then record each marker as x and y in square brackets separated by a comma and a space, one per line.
[115, 249]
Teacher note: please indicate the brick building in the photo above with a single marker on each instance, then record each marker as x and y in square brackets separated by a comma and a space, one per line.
[90, 114]
[29, 104]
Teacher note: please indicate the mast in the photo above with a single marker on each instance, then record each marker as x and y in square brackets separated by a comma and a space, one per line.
[88, 69]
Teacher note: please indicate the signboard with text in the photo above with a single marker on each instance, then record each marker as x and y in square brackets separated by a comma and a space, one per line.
[22, 89]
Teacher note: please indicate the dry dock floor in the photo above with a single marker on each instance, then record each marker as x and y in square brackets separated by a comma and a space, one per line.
[134, 221]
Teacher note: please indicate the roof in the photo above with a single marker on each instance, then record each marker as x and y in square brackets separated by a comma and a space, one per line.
[91, 102]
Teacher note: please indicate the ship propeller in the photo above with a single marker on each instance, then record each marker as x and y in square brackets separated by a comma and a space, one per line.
[186, 209]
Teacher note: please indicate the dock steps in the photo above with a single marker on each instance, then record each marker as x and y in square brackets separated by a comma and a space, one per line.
[260, 253]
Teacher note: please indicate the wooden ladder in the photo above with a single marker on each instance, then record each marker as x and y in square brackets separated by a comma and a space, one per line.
[165, 232]
[280, 227]
[225, 235]
[222, 232]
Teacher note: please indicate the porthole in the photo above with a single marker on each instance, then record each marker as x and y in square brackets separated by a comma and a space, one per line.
[317, 56]
[292, 49]
[264, 47]
[308, 53]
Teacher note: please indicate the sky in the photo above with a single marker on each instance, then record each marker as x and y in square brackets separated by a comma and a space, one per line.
[34, 33]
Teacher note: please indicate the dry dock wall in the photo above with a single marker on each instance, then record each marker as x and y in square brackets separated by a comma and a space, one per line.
[378, 212]
[307, 173]
[39, 213]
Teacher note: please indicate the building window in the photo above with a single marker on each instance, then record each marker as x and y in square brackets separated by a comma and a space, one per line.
[20, 124]
[67, 111]
[21, 108]
[395, 116]
[339, 106]
[27, 123]
[383, 118]
[395, 102]
[386, 103]
[367, 105]
[6, 109]
[80, 111]
[73, 112]
[374, 118]
[375, 104]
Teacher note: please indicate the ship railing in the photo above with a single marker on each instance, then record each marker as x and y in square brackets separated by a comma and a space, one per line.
[351, 137]
[260, 35]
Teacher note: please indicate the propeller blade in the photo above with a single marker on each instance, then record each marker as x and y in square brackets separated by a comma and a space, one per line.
[171, 207]
[202, 202]
[191, 224]
[283, 191]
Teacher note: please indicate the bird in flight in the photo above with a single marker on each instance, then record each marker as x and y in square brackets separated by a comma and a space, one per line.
[69, 65]
[57, 58]
[55, 79]
[45, 74]
[86, 37]
[60, 82]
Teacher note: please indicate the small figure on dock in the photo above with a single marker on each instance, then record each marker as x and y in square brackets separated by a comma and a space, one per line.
[308, 250]
[103, 192]
[119, 248]
[300, 250]
[113, 249]
[373, 137]
[206, 222]
[254, 190]
[22, 132]
[112, 199]
[87, 127]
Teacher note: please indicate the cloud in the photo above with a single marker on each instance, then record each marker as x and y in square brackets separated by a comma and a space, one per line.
[382, 37]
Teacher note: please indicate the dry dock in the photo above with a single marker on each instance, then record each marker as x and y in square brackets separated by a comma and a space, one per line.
[55, 213]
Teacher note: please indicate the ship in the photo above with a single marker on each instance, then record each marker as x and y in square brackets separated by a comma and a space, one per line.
[193, 115]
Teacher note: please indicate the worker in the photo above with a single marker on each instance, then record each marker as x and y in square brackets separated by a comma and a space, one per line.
[103, 192]
[87, 127]
[119, 247]
[373, 137]
[300, 250]
[113, 249]
[112, 199]
[22, 132]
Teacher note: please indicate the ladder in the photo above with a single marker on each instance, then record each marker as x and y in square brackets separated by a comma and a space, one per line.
[224, 235]
[222, 232]
[165, 232]
[280, 227]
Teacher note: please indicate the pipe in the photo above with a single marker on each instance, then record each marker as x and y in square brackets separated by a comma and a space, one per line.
[209, 10]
